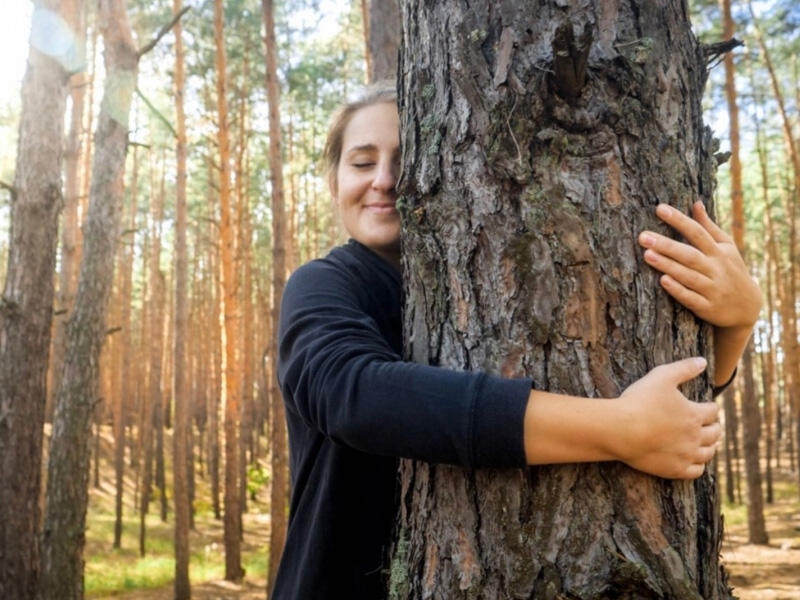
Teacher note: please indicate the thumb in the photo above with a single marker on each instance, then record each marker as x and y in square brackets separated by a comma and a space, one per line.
[681, 371]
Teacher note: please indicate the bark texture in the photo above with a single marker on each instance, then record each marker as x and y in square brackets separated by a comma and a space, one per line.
[26, 308]
[382, 29]
[68, 467]
[536, 145]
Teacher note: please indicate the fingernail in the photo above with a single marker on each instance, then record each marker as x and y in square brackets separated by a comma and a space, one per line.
[664, 210]
[700, 362]
[646, 240]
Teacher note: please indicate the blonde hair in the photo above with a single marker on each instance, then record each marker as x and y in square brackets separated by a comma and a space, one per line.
[376, 93]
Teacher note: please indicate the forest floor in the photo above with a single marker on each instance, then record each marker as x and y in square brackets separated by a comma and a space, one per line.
[756, 572]
[772, 571]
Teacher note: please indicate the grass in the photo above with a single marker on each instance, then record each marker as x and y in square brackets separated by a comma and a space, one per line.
[111, 571]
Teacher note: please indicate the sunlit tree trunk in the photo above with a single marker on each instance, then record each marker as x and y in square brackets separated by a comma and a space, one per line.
[231, 314]
[181, 444]
[75, 16]
[751, 416]
[536, 144]
[26, 308]
[789, 312]
[68, 469]
[279, 495]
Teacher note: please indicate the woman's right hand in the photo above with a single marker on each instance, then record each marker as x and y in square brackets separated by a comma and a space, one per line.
[651, 427]
[662, 432]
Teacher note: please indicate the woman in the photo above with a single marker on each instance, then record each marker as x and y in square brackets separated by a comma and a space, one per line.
[353, 407]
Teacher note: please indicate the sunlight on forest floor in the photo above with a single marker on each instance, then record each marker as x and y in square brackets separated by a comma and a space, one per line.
[769, 572]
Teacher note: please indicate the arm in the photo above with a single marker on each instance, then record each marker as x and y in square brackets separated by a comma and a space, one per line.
[708, 276]
[651, 427]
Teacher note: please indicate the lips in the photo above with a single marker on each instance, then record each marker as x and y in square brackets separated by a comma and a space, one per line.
[383, 208]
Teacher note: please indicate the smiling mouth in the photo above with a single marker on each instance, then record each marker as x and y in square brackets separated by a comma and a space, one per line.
[381, 208]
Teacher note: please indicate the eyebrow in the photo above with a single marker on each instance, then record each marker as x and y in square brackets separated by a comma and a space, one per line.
[361, 148]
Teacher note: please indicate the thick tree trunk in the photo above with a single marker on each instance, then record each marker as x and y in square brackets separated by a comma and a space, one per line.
[68, 469]
[536, 146]
[26, 308]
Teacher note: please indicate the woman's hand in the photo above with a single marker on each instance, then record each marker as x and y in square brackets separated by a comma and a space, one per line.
[706, 274]
[664, 433]
[651, 427]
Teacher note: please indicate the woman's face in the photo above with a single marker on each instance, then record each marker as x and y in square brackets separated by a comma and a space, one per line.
[366, 178]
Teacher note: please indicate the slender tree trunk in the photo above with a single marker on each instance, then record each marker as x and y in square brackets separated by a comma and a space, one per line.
[181, 449]
[751, 418]
[231, 374]
[527, 177]
[279, 495]
[75, 16]
[26, 308]
[122, 397]
[68, 469]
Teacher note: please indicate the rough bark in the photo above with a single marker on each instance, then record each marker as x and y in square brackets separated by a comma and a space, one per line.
[68, 468]
[279, 491]
[181, 449]
[536, 146]
[26, 309]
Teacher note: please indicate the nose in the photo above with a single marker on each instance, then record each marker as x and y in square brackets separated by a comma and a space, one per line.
[385, 176]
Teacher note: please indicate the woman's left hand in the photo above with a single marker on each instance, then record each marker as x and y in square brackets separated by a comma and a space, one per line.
[706, 274]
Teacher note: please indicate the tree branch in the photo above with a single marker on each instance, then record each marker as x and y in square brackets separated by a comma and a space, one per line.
[163, 31]
[713, 51]
[156, 112]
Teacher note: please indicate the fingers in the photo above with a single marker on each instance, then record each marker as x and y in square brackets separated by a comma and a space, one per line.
[681, 371]
[700, 215]
[695, 232]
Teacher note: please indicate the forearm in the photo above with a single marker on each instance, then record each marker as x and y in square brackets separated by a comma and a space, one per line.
[729, 344]
[651, 427]
[565, 429]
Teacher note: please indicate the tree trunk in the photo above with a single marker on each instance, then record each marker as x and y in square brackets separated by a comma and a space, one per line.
[181, 449]
[26, 309]
[382, 32]
[230, 307]
[751, 418]
[75, 16]
[279, 491]
[536, 145]
[68, 469]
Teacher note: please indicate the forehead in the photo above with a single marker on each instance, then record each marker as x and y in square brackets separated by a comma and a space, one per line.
[375, 125]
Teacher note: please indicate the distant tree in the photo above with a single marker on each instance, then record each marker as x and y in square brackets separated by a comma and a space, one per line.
[68, 466]
[181, 442]
[382, 33]
[231, 311]
[26, 305]
[751, 421]
[279, 495]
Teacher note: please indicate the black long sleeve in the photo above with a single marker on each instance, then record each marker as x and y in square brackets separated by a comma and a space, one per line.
[353, 406]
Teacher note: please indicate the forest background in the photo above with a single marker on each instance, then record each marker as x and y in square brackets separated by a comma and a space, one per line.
[322, 58]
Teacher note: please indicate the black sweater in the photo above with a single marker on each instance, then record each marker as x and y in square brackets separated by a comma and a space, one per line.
[353, 406]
